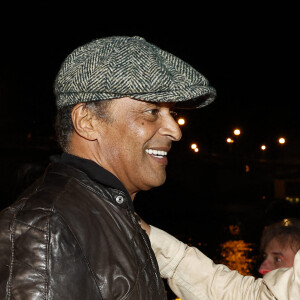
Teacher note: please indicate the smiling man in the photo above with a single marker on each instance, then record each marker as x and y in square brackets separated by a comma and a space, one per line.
[132, 145]
[74, 233]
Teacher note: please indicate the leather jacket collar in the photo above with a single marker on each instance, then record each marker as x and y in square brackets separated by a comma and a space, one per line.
[94, 171]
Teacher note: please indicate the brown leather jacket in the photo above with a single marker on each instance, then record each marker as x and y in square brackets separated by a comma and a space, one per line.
[71, 237]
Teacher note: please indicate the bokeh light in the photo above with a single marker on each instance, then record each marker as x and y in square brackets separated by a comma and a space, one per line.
[281, 140]
[181, 121]
[237, 131]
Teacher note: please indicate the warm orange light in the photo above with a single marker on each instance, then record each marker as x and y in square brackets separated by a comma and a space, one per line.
[181, 121]
[196, 150]
[236, 254]
[281, 140]
[237, 132]
[194, 146]
[234, 229]
[230, 140]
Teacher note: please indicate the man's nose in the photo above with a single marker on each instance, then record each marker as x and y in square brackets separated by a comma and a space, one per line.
[169, 127]
[265, 267]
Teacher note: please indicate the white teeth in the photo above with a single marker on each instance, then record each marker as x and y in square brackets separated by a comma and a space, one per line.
[156, 152]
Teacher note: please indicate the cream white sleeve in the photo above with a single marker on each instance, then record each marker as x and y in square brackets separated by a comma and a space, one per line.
[192, 275]
[285, 282]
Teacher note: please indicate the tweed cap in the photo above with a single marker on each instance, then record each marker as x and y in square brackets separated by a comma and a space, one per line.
[121, 66]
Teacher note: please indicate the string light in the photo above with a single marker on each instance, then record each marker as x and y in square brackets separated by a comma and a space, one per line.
[237, 132]
[181, 121]
[281, 140]
[195, 147]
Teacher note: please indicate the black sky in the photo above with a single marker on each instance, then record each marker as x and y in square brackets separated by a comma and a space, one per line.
[249, 54]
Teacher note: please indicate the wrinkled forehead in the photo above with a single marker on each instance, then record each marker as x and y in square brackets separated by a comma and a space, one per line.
[128, 102]
[171, 105]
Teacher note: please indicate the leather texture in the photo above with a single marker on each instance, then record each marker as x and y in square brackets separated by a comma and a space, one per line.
[68, 237]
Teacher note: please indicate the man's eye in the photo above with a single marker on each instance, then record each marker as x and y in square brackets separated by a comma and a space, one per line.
[277, 259]
[153, 112]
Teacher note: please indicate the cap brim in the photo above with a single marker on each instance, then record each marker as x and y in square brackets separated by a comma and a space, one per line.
[189, 98]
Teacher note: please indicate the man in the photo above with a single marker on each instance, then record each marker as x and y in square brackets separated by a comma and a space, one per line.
[74, 233]
[193, 276]
[280, 242]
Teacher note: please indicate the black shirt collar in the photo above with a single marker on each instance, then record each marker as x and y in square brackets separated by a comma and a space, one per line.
[93, 170]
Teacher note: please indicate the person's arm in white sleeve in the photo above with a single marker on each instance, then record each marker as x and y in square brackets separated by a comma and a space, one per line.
[285, 282]
[192, 275]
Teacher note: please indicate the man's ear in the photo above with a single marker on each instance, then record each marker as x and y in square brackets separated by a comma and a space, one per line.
[83, 122]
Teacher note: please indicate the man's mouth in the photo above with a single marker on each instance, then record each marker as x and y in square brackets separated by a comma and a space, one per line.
[157, 153]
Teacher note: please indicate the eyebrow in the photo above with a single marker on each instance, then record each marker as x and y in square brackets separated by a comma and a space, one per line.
[277, 253]
[170, 105]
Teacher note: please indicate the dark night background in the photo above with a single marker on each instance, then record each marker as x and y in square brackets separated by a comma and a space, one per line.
[249, 53]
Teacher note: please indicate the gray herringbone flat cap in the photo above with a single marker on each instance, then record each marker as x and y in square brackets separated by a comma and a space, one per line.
[120, 66]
